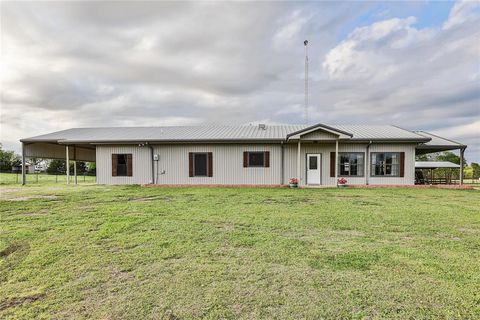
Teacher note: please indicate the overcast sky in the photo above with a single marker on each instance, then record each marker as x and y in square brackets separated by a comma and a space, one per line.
[67, 64]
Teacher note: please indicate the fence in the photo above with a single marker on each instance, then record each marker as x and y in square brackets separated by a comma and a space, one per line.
[39, 178]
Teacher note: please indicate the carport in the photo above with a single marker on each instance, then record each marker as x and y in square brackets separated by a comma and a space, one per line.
[432, 165]
[439, 144]
[47, 148]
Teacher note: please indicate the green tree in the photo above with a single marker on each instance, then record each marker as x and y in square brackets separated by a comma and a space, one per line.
[475, 170]
[91, 168]
[56, 167]
[8, 159]
[450, 156]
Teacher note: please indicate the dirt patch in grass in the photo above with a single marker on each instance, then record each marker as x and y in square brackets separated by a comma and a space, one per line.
[37, 213]
[13, 302]
[10, 249]
[26, 198]
[152, 198]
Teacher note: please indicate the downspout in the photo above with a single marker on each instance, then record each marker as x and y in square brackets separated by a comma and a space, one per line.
[367, 164]
[152, 161]
[282, 165]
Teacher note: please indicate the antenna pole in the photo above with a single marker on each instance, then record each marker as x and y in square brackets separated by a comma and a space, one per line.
[306, 80]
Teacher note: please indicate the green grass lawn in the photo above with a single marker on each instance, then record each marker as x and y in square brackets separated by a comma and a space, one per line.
[129, 252]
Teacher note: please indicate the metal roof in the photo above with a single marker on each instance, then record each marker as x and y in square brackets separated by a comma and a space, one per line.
[435, 164]
[436, 141]
[218, 134]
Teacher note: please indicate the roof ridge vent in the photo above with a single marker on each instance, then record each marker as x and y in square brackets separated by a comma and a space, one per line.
[262, 126]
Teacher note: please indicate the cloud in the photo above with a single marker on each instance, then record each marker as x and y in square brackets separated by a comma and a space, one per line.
[73, 64]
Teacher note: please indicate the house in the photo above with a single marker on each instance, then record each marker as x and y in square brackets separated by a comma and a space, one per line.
[29, 168]
[244, 155]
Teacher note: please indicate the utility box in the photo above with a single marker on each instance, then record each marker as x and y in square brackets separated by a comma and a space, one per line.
[156, 157]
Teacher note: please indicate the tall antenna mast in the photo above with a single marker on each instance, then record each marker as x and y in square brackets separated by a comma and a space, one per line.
[306, 80]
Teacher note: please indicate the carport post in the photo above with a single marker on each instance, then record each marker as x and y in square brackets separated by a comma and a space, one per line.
[24, 177]
[461, 165]
[336, 161]
[75, 163]
[298, 161]
[67, 165]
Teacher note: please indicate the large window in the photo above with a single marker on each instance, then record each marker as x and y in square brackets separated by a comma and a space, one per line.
[256, 159]
[351, 164]
[385, 164]
[121, 164]
[200, 167]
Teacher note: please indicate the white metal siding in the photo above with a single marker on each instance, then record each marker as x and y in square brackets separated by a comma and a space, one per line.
[141, 165]
[409, 176]
[320, 135]
[326, 148]
[227, 164]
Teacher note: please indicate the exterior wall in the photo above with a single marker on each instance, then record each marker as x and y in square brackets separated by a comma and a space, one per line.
[409, 176]
[227, 164]
[141, 165]
[326, 148]
[320, 135]
[172, 167]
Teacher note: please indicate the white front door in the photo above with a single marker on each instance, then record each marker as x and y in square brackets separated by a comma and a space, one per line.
[313, 168]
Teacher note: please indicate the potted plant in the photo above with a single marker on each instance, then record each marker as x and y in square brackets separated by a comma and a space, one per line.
[342, 182]
[293, 183]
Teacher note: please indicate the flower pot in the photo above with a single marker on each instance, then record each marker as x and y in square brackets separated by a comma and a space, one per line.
[342, 185]
[293, 185]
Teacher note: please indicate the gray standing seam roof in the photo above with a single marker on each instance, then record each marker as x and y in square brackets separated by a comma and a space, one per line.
[438, 141]
[435, 164]
[217, 133]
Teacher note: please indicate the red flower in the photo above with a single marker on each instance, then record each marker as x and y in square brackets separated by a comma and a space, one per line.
[293, 180]
[342, 181]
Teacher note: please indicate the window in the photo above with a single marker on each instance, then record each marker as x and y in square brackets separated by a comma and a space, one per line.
[351, 164]
[122, 165]
[313, 163]
[256, 159]
[385, 164]
[200, 164]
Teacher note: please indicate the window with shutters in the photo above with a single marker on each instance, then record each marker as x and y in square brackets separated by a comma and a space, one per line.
[350, 164]
[121, 165]
[256, 159]
[385, 164]
[200, 165]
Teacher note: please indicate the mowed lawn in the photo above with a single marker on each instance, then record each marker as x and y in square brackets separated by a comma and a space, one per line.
[129, 252]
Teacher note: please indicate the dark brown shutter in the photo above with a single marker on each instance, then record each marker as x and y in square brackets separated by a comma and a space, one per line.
[210, 164]
[332, 164]
[245, 159]
[190, 164]
[402, 164]
[267, 159]
[114, 165]
[129, 165]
